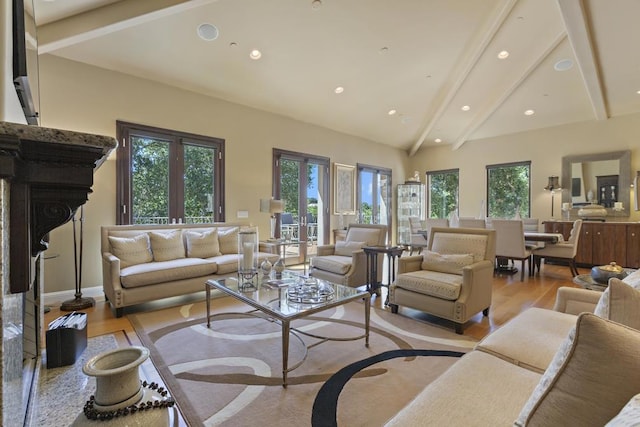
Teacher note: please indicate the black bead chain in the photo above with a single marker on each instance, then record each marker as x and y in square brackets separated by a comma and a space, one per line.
[93, 414]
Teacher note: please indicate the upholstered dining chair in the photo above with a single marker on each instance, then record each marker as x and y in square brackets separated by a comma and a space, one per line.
[531, 225]
[471, 223]
[563, 251]
[510, 243]
[345, 262]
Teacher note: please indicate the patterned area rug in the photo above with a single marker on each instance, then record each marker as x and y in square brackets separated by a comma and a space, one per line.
[231, 374]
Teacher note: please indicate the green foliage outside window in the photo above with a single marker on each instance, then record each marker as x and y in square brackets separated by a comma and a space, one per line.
[443, 193]
[149, 178]
[289, 190]
[508, 190]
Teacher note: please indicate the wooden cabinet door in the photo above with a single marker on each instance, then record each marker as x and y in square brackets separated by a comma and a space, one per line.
[585, 244]
[633, 246]
[609, 243]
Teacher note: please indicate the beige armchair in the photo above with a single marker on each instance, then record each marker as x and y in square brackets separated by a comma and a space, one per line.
[345, 262]
[563, 251]
[453, 280]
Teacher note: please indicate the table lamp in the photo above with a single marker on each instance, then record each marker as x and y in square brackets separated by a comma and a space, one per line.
[273, 207]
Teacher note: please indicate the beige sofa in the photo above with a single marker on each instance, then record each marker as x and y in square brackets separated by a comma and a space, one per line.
[142, 263]
[546, 368]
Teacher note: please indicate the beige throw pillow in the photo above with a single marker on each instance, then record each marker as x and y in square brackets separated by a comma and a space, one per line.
[620, 303]
[228, 240]
[345, 248]
[167, 246]
[592, 376]
[131, 250]
[445, 263]
[202, 245]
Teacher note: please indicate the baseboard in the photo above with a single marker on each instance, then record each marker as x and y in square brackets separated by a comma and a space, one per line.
[56, 298]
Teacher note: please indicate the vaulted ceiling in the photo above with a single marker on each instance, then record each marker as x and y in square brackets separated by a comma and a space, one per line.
[407, 68]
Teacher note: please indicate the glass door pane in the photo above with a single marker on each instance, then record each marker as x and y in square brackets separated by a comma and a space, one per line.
[368, 199]
[199, 178]
[149, 180]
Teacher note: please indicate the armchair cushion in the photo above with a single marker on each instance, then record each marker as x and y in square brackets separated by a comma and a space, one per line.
[346, 248]
[202, 245]
[474, 244]
[445, 263]
[620, 303]
[131, 250]
[337, 264]
[434, 283]
[370, 236]
[167, 246]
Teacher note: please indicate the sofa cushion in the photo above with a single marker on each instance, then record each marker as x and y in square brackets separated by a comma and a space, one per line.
[131, 250]
[226, 263]
[334, 263]
[620, 303]
[478, 390]
[456, 243]
[344, 248]
[530, 339]
[594, 373]
[228, 240]
[629, 416]
[167, 246]
[445, 263]
[441, 285]
[202, 245]
[166, 271]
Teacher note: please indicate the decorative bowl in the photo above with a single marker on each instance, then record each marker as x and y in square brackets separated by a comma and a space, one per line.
[603, 273]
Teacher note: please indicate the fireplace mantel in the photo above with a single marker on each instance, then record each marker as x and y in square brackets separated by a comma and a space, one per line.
[51, 174]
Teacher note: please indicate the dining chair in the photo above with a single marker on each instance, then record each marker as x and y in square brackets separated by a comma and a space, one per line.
[563, 251]
[510, 244]
[471, 223]
[532, 225]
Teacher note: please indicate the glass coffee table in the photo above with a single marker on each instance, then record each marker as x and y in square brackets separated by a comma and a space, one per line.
[289, 297]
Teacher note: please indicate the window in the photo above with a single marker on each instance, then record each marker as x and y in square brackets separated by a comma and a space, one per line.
[374, 195]
[509, 190]
[443, 192]
[166, 176]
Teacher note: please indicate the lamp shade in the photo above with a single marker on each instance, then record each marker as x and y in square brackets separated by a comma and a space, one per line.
[554, 184]
[271, 206]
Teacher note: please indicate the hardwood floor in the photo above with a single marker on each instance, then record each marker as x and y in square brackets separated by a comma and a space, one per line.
[510, 297]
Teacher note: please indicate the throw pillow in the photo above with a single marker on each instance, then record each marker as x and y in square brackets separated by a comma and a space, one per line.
[202, 245]
[593, 374]
[167, 246]
[629, 416]
[620, 303]
[228, 240]
[131, 250]
[445, 263]
[345, 248]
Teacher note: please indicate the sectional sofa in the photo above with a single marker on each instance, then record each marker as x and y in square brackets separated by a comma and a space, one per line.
[561, 367]
[142, 263]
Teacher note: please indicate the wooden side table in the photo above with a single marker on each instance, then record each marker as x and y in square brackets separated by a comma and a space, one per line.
[392, 252]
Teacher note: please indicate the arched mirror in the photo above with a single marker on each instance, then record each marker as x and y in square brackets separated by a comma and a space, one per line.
[603, 178]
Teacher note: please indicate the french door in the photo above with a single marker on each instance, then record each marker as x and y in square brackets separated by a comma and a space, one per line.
[301, 181]
[168, 177]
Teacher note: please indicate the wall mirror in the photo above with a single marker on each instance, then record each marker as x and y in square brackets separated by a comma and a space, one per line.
[602, 178]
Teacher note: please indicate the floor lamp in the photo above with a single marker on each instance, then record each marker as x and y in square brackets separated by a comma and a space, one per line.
[273, 207]
[553, 186]
[78, 303]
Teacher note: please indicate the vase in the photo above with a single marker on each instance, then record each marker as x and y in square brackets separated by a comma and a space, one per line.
[279, 266]
[265, 266]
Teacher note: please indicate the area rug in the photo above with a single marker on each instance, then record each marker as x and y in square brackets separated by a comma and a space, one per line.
[231, 374]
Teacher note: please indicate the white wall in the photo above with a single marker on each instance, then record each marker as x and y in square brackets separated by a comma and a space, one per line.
[88, 99]
[544, 148]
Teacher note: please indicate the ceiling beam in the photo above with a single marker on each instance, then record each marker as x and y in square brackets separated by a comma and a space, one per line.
[474, 57]
[107, 19]
[575, 21]
[489, 110]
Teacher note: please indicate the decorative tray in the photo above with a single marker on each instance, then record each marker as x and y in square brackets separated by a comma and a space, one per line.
[310, 293]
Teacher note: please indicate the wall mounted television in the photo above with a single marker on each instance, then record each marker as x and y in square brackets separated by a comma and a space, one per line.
[25, 59]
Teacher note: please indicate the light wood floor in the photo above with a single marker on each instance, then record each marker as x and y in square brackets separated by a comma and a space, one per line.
[510, 297]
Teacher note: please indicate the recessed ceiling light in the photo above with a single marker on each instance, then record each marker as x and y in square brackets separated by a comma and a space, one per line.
[339, 89]
[529, 112]
[392, 112]
[563, 65]
[255, 54]
[207, 32]
[437, 140]
[466, 108]
[503, 55]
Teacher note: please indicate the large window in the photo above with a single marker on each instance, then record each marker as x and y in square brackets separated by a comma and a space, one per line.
[374, 195]
[509, 190]
[442, 193]
[165, 176]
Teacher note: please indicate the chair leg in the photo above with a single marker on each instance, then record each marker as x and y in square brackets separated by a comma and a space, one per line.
[394, 308]
[485, 312]
[536, 262]
[522, 270]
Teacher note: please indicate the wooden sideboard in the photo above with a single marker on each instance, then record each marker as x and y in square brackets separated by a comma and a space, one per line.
[603, 242]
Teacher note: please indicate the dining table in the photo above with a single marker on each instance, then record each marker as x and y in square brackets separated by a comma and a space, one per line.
[533, 236]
